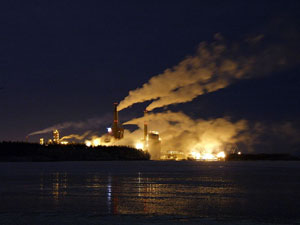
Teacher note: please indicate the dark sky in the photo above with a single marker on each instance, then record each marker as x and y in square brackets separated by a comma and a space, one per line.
[70, 60]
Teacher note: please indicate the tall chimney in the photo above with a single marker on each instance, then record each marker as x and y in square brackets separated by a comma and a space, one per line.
[145, 126]
[116, 116]
[116, 121]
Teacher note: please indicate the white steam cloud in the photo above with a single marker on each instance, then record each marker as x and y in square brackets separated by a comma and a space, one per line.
[76, 136]
[181, 133]
[213, 67]
[88, 124]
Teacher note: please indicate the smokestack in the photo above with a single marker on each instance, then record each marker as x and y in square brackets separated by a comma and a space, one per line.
[117, 130]
[116, 116]
[115, 122]
[145, 126]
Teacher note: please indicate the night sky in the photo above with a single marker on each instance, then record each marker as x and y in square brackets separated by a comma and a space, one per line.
[68, 61]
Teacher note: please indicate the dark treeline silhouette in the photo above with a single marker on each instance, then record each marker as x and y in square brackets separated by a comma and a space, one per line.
[245, 157]
[20, 151]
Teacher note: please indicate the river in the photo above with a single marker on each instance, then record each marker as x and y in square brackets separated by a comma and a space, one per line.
[150, 192]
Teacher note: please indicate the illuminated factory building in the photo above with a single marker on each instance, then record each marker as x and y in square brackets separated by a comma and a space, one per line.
[42, 141]
[152, 141]
[154, 145]
[55, 137]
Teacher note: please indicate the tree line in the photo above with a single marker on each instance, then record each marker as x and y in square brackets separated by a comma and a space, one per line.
[33, 152]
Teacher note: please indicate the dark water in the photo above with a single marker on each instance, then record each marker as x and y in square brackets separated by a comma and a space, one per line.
[150, 193]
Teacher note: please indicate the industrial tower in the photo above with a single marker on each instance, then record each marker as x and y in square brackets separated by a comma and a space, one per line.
[152, 142]
[145, 127]
[117, 129]
[55, 137]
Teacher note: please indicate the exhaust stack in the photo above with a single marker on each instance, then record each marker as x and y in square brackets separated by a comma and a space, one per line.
[117, 130]
[145, 126]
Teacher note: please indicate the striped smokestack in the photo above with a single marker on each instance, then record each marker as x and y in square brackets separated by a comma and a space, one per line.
[117, 130]
[145, 126]
[116, 116]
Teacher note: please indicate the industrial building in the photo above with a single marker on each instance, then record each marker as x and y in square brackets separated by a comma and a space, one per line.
[173, 155]
[55, 137]
[50, 141]
[152, 142]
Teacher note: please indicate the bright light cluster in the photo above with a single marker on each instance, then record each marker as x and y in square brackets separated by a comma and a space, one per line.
[207, 156]
[139, 145]
[221, 155]
[94, 142]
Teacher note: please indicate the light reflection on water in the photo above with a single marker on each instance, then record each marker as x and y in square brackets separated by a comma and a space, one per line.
[136, 194]
[197, 190]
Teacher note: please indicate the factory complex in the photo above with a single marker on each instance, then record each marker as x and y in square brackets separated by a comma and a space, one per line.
[150, 142]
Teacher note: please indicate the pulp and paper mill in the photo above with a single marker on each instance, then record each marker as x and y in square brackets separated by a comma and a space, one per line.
[150, 141]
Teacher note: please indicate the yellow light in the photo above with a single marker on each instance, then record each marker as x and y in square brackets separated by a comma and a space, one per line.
[196, 155]
[208, 156]
[139, 145]
[221, 155]
[239, 153]
[88, 143]
[96, 142]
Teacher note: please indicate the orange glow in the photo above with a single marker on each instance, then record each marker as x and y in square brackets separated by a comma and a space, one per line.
[221, 155]
[139, 145]
[195, 155]
[96, 141]
[88, 143]
[206, 155]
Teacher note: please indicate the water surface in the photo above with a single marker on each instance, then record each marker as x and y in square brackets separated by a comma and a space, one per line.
[150, 192]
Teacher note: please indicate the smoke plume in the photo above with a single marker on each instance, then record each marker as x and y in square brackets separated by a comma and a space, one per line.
[88, 124]
[76, 136]
[214, 66]
[275, 137]
[181, 133]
